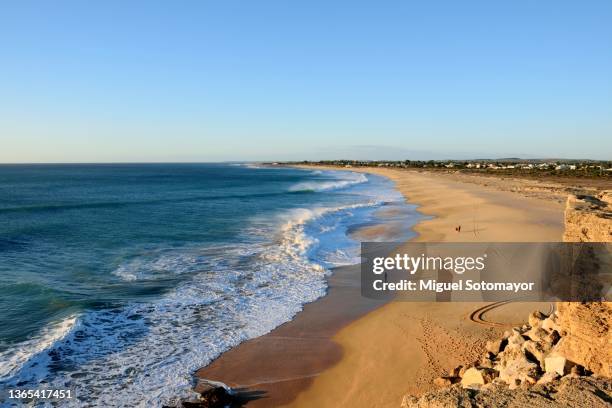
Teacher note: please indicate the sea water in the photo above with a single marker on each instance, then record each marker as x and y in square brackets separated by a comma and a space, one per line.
[119, 281]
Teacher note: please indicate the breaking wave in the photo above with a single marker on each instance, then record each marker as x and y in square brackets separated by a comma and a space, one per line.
[346, 180]
[16, 356]
[144, 353]
[236, 293]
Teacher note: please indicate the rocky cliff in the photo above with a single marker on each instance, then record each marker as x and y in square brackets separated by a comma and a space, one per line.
[589, 218]
[588, 340]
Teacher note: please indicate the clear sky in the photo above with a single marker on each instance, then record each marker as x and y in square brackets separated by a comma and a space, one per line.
[270, 80]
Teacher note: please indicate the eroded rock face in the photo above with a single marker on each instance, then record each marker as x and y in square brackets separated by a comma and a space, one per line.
[588, 339]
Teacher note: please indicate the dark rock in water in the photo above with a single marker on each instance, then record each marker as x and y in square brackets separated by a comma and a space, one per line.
[213, 394]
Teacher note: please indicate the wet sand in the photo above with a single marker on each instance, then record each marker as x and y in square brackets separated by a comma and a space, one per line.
[345, 350]
[271, 370]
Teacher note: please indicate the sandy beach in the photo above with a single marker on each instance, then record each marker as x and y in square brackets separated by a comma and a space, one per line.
[312, 204]
[344, 350]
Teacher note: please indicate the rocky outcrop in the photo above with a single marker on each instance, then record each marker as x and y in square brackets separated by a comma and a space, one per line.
[589, 218]
[528, 366]
[587, 339]
[524, 356]
[587, 325]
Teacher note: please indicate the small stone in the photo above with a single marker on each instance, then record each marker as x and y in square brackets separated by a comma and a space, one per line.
[477, 376]
[514, 384]
[487, 387]
[515, 338]
[537, 350]
[555, 363]
[536, 318]
[471, 377]
[213, 394]
[530, 380]
[553, 338]
[577, 371]
[443, 382]
[536, 334]
[517, 367]
[455, 372]
[494, 346]
[549, 324]
[548, 377]
[486, 363]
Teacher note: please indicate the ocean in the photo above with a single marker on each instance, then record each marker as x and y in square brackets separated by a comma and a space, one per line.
[118, 281]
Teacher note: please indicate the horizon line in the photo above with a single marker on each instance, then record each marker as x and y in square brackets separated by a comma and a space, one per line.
[294, 161]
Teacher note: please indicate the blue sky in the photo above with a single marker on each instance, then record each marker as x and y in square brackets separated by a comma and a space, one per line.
[272, 80]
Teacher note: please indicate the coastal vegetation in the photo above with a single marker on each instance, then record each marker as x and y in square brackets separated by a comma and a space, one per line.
[562, 168]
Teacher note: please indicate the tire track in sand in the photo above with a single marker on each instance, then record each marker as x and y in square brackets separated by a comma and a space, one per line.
[478, 315]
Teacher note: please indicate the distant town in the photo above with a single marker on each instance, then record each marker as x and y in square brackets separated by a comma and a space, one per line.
[510, 166]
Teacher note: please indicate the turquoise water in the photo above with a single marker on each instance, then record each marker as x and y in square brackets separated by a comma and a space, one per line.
[118, 281]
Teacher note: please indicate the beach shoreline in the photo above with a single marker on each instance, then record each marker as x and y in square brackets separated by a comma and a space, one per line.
[342, 350]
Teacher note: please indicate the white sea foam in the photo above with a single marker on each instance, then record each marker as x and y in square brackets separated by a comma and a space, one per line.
[144, 354]
[240, 292]
[16, 356]
[341, 257]
[339, 180]
[158, 265]
[254, 165]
